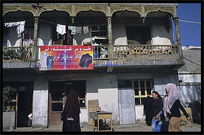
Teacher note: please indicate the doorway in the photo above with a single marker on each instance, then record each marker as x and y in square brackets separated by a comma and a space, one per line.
[23, 102]
[56, 100]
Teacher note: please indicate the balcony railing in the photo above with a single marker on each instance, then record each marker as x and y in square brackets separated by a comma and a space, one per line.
[108, 53]
[22, 53]
[133, 52]
[148, 52]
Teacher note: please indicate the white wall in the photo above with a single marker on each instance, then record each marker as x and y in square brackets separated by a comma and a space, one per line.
[190, 93]
[40, 102]
[160, 36]
[13, 40]
[44, 34]
[161, 82]
[139, 111]
[119, 35]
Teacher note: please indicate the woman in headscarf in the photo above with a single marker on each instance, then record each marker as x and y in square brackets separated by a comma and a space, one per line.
[171, 108]
[70, 115]
[148, 110]
[157, 103]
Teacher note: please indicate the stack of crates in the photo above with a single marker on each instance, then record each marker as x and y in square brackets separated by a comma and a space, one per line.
[93, 106]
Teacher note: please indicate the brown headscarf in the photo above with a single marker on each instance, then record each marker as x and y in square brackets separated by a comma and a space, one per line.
[72, 100]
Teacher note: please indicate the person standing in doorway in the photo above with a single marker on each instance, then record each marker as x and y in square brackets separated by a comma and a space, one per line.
[70, 114]
[148, 109]
[171, 108]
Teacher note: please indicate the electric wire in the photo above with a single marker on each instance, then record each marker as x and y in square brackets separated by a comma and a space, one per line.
[191, 61]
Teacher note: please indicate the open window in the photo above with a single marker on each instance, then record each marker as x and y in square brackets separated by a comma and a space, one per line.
[138, 35]
[57, 39]
[99, 34]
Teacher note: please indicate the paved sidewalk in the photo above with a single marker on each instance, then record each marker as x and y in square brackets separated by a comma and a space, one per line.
[140, 126]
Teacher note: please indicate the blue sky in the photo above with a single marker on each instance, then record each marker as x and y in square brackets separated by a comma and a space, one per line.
[190, 32]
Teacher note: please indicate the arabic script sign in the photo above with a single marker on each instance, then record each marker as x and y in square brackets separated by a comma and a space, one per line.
[66, 57]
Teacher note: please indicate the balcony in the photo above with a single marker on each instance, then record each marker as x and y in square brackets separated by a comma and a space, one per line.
[106, 56]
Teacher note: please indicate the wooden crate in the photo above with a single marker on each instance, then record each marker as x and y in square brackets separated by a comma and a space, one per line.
[92, 109]
[93, 103]
[93, 106]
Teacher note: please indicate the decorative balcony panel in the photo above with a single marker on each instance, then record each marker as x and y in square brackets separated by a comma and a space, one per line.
[106, 56]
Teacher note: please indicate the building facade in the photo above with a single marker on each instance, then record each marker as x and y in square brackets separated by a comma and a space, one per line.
[133, 54]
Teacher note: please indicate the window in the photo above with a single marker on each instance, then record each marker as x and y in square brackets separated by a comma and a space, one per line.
[57, 39]
[141, 88]
[138, 35]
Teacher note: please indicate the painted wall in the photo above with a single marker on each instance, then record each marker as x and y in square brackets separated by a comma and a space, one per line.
[191, 90]
[160, 36]
[139, 111]
[40, 102]
[119, 35]
[9, 119]
[45, 34]
[13, 40]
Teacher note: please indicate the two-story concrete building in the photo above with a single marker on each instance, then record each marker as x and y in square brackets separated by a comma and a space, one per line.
[133, 54]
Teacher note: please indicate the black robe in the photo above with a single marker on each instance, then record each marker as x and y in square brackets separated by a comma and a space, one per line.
[68, 125]
[157, 106]
[148, 110]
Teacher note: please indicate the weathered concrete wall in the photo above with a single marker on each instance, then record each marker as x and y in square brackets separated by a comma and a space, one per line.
[104, 88]
[119, 34]
[139, 111]
[13, 40]
[160, 83]
[44, 34]
[40, 102]
[160, 36]
[84, 115]
[9, 119]
[78, 38]
[190, 87]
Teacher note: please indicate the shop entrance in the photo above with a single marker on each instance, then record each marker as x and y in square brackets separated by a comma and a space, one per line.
[57, 100]
[23, 102]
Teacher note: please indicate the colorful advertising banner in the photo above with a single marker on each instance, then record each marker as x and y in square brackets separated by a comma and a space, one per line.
[66, 57]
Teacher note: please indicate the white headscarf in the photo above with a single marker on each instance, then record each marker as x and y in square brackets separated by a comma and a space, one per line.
[173, 95]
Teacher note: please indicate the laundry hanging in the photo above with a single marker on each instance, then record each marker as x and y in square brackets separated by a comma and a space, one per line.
[78, 30]
[73, 30]
[20, 26]
[61, 29]
[86, 29]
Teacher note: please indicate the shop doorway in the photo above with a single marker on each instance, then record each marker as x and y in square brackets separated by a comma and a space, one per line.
[56, 98]
[23, 102]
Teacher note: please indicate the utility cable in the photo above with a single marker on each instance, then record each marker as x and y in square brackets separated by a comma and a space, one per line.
[192, 62]
[189, 21]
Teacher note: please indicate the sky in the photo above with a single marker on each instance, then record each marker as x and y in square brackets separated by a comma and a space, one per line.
[190, 32]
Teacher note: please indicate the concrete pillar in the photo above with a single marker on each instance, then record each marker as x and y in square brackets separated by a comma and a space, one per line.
[109, 31]
[72, 20]
[110, 55]
[178, 38]
[35, 48]
[40, 103]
